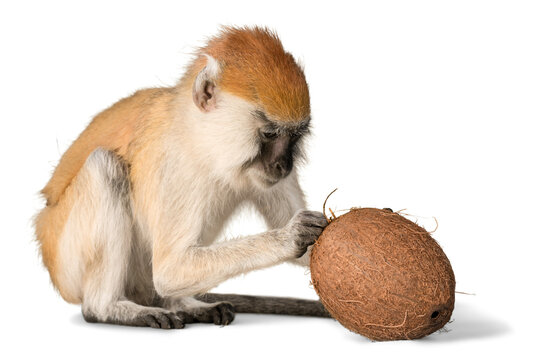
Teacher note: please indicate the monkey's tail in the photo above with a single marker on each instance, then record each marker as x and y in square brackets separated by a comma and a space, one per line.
[268, 304]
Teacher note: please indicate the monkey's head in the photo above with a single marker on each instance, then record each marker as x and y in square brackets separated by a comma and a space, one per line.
[254, 100]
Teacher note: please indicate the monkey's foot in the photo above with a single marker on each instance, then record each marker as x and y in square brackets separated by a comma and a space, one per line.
[221, 313]
[162, 320]
[149, 317]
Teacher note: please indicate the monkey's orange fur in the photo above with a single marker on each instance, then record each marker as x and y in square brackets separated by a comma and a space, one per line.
[257, 68]
[254, 66]
[120, 128]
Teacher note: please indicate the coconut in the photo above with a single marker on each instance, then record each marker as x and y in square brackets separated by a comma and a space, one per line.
[382, 276]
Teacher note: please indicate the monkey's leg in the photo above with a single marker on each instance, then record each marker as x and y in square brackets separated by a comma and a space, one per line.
[268, 304]
[97, 241]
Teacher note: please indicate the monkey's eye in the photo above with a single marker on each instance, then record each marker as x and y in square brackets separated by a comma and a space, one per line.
[297, 134]
[268, 134]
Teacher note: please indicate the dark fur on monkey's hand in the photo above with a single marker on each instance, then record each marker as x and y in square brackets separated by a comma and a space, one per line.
[305, 226]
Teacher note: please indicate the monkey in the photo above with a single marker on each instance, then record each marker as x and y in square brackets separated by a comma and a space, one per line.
[135, 204]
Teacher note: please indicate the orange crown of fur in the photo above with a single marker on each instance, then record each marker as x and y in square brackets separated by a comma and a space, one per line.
[255, 66]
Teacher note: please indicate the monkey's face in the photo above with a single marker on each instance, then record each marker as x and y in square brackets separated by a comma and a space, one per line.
[279, 148]
[254, 108]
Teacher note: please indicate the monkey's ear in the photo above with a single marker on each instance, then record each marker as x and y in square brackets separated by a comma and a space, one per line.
[204, 89]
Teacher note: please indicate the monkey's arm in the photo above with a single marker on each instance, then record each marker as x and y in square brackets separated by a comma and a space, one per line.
[280, 204]
[268, 304]
[196, 269]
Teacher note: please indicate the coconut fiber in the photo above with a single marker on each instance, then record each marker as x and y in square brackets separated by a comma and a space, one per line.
[382, 276]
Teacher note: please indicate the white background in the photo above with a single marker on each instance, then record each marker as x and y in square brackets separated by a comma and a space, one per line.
[425, 105]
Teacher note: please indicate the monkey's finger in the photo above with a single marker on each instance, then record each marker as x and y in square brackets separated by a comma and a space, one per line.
[314, 225]
[176, 321]
[163, 320]
[188, 318]
[312, 231]
[217, 320]
[151, 321]
[315, 220]
[227, 313]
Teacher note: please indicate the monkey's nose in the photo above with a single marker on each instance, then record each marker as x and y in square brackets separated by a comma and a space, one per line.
[280, 169]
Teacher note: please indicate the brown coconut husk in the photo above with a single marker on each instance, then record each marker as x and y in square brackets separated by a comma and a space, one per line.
[382, 276]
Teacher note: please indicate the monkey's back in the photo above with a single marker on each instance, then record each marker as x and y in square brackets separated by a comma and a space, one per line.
[114, 129]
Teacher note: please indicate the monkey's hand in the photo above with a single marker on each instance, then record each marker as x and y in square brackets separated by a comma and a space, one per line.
[303, 230]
